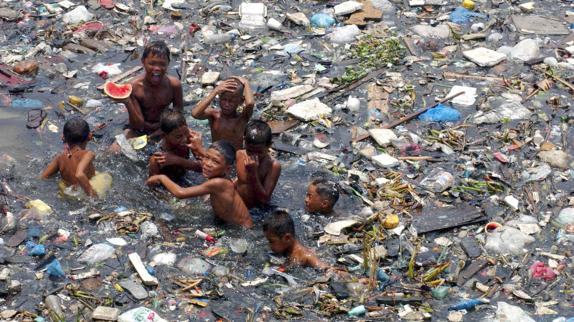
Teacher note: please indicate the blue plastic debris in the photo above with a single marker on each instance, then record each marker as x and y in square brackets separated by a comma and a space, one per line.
[54, 269]
[466, 305]
[27, 103]
[441, 113]
[461, 15]
[358, 311]
[150, 270]
[322, 20]
[34, 249]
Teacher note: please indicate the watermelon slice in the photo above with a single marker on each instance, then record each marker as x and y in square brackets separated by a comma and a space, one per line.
[117, 91]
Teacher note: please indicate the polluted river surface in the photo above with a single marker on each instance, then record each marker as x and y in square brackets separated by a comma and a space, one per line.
[464, 213]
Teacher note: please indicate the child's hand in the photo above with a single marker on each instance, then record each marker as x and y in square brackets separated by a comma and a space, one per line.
[153, 180]
[164, 159]
[226, 86]
[194, 139]
[251, 163]
[242, 80]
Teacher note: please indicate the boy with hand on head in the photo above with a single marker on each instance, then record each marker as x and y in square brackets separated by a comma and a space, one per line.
[177, 141]
[279, 230]
[226, 123]
[75, 164]
[257, 171]
[322, 195]
[225, 201]
[152, 92]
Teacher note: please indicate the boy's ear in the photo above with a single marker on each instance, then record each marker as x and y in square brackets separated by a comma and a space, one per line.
[90, 136]
[325, 204]
[288, 238]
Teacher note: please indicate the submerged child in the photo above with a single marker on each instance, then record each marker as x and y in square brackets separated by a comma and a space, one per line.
[279, 230]
[226, 123]
[75, 164]
[257, 171]
[322, 195]
[176, 144]
[225, 201]
[152, 92]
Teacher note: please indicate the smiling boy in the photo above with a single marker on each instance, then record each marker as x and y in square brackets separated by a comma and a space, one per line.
[152, 92]
[226, 202]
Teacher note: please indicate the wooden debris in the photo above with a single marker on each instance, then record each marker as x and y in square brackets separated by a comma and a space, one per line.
[142, 271]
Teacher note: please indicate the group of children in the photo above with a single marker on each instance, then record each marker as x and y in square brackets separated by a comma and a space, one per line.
[236, 140]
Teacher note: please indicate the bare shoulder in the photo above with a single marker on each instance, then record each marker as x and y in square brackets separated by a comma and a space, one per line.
[219, 184]
[174, 82]
[275, 164]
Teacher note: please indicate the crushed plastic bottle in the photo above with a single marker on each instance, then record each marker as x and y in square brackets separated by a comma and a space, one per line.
[438, 181]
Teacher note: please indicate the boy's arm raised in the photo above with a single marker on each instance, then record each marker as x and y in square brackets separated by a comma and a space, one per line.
[51, 169]
[264, 190]
[248, 96]
[179, 192]
[202, 111]
[81, 176]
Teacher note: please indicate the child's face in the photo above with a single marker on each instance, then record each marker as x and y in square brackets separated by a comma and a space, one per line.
[214, 165]
[229, 102]
[279, 245]
[155, 68]
[177, 137]
[258, 150]
[314, 202]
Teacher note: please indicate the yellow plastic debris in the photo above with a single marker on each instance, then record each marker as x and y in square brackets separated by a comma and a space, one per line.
[39, 207]
[468, 4]
[139, 142]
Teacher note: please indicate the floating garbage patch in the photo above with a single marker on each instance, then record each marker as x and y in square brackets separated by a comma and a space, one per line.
[385, 160]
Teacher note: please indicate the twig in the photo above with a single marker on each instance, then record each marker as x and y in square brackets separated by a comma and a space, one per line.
[565, 83]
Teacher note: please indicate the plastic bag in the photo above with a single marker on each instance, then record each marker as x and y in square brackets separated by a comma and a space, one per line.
[462, 15]
[108, 70]
[441, 113]
[510, 313]
[140, 314]
[507, 240]
[322, 20]
[96, 253]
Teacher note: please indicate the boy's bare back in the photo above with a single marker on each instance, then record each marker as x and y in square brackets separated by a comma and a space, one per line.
[227, 203]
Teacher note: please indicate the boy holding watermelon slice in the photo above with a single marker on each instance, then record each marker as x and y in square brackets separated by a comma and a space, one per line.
[152, 92]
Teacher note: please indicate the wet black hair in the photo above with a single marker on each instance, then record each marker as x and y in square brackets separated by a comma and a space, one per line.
[226, 149]
[258, 132]
[238, 91]
[157, 48]
[327, 189]
[279, 223]
[76, 131]
[171, 120]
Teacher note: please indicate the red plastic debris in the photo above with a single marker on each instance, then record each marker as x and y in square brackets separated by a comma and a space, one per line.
[541, 271]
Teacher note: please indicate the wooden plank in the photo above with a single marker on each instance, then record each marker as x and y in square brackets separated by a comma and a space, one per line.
[142, 271]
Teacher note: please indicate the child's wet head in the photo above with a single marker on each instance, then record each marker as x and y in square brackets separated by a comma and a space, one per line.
[219, 159]
[156, 58]
[230, 101]
[279, 230]
[258, 137]
[174, 128]
[321, 196]
[76, 131]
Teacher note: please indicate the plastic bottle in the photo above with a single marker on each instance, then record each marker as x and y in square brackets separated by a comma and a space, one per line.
[438, 181]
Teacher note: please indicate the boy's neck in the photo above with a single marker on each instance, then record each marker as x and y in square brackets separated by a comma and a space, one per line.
[294, 247]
